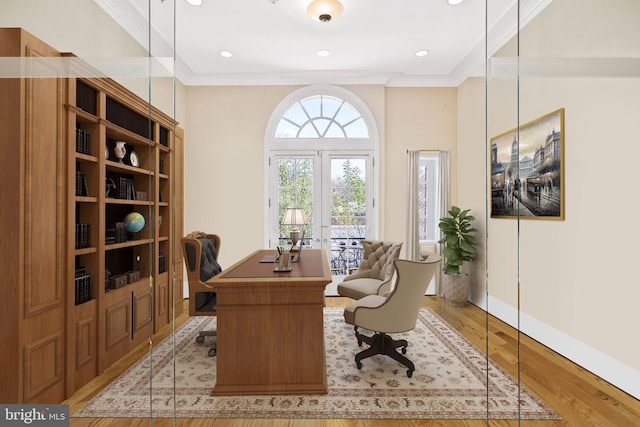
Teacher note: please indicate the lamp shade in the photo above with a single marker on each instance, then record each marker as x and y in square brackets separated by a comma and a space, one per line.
[324, 10]
[293, 216]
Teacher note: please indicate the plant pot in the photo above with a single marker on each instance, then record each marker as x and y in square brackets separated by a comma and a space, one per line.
[456, 288]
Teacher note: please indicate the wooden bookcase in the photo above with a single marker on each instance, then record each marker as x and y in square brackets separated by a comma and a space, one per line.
[119, 315]
[64, 320]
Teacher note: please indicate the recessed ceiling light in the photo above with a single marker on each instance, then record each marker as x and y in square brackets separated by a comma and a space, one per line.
[324, 53]
[422, 52]
[454, 2]
[194, 2]
[226, 54]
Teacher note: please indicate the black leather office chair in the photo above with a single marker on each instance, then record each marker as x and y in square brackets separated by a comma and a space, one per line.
[200, 251]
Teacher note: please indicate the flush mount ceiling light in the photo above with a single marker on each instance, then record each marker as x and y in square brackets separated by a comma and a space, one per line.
[194, 2]
[324, 10]
[422, 52]
[454, 2]
[324, 53]
[226, 54]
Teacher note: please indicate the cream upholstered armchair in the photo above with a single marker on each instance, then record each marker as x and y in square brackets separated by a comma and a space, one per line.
[396, 312]
[375, 272]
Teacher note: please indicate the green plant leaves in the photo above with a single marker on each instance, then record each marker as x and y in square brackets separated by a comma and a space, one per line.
[459, 239]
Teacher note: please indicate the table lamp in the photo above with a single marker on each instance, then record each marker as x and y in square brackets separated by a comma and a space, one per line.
[294, 217]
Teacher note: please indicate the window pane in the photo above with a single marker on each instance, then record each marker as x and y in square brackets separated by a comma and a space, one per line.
[428, 197]
[321, 125]
[348, 212]
[330, 105]
[286, 129]
[333, 118]
[308, 131]
[335, 131]
[295, 190]
[312, 106]
[346, 114]
[296, 114]
[357, 129]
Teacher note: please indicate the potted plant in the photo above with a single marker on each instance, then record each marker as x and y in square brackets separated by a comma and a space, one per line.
[459, 246]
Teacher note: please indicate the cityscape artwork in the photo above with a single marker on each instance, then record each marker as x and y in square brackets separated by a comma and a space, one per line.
[527, 170]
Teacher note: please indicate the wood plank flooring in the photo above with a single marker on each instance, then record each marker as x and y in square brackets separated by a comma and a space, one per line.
[579, 397]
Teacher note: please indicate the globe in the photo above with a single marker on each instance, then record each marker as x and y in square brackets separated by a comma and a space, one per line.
[134, 222]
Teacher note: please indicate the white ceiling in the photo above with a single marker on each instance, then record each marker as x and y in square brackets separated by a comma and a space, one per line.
[276, 42]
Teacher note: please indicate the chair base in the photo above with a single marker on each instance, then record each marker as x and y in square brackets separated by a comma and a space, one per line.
[200, 339]
[381, 343]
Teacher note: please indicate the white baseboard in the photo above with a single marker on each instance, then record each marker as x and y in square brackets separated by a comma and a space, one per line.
[604, 366]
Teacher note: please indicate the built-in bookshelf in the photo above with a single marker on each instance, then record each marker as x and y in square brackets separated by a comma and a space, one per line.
[82, 291]
[123, 156]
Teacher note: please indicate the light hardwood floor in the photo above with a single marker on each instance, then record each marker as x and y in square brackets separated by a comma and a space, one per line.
[579, 397]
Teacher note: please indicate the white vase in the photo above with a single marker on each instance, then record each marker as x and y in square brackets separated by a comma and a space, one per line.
[456, 288]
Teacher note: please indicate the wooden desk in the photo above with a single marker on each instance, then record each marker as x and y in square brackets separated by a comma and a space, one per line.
[270, 326]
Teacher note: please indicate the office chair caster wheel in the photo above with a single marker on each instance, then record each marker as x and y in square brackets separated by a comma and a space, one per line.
[212, 352]
[404, 350]
[359, 365]
[200, 339]
[409, 373]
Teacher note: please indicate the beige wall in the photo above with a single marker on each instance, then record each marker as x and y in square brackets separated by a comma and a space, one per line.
[575, 293]
[226, 136]
[416, 119]
[224, 164]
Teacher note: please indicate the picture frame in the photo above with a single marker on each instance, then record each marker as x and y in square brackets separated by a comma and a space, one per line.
[527, 170]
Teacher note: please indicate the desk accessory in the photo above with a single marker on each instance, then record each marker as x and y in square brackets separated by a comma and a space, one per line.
[294, 217]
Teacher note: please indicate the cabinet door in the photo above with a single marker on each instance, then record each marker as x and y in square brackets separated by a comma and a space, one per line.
[162, 302]
[117, 331]
[85, 356]
[141, 300]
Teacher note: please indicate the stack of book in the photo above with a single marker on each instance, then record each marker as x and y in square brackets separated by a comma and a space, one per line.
[126, 190]
[83, 233]
[83, 141]
[82, 286]
[116, 235]
[121, 232]
[81, 184]
[162, 266]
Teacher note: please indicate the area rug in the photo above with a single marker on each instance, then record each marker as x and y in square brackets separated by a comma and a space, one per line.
[449, 382]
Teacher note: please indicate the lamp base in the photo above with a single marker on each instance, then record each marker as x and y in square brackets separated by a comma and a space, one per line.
[294, 235]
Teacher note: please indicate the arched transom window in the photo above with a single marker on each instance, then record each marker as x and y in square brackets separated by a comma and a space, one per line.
[321, 116]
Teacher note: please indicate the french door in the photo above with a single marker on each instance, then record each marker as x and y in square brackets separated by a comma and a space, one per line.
[335, 191]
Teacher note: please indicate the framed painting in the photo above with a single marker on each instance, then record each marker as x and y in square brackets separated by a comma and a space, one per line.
[527, 170]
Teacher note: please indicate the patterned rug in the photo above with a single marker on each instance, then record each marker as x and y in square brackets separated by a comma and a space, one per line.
[448, 383]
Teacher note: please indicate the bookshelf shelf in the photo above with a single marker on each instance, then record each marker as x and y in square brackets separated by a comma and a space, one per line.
[127, 244]
[86, 199]
[85, 251]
